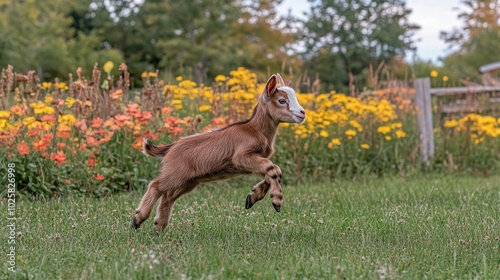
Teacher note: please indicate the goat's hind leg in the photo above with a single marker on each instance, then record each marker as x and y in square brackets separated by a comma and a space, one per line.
[259, 191]
[146, 205]
[164, 210]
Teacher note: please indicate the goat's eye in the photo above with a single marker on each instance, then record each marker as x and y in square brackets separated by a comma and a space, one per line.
[282, 101]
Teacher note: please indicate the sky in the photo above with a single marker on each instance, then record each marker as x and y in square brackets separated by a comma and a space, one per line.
[433, 16]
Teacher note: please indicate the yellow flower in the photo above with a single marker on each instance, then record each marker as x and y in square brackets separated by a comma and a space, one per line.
[62, 86]
[152, 74]
[388, 138]
[400, 134]
[356, 125]
[67, 119]
[350, 132]
[384, 129]
[48, 99]
[396, 125]
[204, 108]
[334, 142]
[144, 74]
[46, 85]
[29, 120]
[108, 66]
[178, 78]
[445, 78]
[365, 146]
[41, 108]
[220, 78]
[70, 102]
[4, 114]
[450, 124]
[434, 73]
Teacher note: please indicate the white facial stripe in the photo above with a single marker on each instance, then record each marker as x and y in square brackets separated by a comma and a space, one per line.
[292, 98]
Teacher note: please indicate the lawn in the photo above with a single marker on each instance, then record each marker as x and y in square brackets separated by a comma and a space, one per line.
[405, 228]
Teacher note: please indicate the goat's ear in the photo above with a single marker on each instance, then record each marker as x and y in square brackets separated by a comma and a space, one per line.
[270, 87]
[280, 80]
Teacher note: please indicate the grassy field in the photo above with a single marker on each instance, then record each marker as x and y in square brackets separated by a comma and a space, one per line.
[410, 228]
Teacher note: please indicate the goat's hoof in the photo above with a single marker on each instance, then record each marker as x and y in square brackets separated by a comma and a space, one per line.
[249, 203]
[135, 224]
[276, 207]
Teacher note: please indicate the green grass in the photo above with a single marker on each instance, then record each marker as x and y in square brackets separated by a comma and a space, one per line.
[410, 228]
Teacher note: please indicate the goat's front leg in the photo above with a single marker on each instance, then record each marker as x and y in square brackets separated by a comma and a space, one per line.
[276, 193]
[257, 164]
[260, 190]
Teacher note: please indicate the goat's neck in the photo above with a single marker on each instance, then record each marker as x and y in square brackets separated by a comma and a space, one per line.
[264, 123]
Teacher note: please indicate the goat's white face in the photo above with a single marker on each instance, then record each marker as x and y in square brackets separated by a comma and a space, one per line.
[283, 100]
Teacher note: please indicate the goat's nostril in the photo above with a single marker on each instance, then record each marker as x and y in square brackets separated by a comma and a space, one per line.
[303, 112]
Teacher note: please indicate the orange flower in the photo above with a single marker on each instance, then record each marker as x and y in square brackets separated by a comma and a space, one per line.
[117, 94]
[138, 144]
[96, 123]
[176, 130]
[147, 116]
[63, 131]
[23, 148]
[121, 118]
[91, 141]
[32, 133]
[132, 109]
[48, 137]
[59, 157]
[17, 110]
[91, 161]
[111, 123]
[107, 137]
[81, 125]
[166, 110]
[61, 145]
[99, 177]
[48, 118]
[40, 145]
[100, 131]
[63, 134]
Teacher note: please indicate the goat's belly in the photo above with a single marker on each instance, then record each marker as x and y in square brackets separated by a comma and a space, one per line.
[220, 175]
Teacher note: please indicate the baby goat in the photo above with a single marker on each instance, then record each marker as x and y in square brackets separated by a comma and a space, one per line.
[240, 148]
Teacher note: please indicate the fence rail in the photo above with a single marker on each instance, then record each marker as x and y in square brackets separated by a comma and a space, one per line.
[423, 101]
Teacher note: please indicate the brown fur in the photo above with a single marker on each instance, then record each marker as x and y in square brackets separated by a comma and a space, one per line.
[240, 148]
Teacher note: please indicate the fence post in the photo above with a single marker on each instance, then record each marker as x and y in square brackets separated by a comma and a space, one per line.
[424, 118]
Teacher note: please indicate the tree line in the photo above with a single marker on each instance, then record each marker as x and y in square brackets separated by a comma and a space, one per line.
[341, 43]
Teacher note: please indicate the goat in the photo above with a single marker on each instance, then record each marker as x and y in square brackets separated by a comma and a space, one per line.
[240, 148]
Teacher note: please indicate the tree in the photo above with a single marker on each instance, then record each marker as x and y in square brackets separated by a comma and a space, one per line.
[343, 37]
[477, 42]
[264, 39]
[39, 35]
[198, 39]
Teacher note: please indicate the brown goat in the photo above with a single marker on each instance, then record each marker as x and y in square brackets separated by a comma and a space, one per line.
[240, 148]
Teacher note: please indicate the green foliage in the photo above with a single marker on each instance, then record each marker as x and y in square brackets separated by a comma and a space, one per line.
[394, 228]
[346, 37]
[39, 35]
[477, 43]
[123, 168]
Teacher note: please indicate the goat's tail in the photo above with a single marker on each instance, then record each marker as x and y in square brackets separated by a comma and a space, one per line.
[154, 151]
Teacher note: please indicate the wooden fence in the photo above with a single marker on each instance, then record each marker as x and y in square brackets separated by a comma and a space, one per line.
[423, 101]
